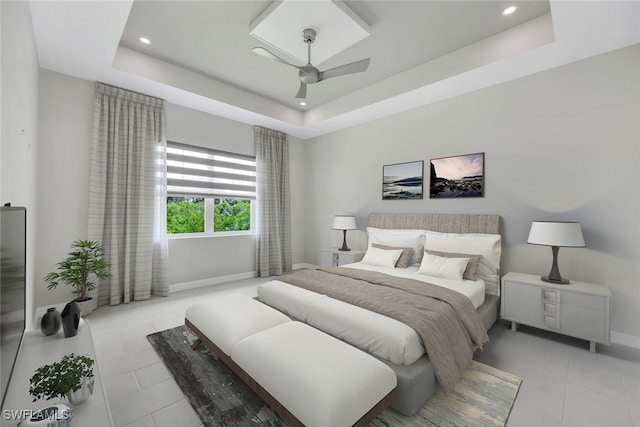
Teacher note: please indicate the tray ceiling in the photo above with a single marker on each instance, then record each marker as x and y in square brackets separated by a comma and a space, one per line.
[421, 51]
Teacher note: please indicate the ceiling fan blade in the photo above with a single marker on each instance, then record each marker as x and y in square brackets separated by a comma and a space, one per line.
[302, 92]
[353, 67]
[264, 52]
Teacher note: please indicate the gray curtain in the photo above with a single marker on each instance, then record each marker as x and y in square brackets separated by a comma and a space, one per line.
[127, 193]
[273, 241]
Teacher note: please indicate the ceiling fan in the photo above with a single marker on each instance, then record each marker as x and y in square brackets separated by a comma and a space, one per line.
[309, 74]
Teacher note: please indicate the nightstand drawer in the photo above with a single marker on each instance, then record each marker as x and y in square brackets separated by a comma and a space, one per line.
[551, 308]
[551, 322]
[551, 296]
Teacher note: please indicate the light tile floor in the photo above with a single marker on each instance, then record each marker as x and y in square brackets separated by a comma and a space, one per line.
[563, 384]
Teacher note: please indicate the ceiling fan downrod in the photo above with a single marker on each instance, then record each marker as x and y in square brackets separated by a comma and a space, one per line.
[308, 74]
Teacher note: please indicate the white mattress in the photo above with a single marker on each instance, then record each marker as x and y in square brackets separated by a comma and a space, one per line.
[378, 334]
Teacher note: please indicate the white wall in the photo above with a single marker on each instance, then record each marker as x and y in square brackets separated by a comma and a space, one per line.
[559, 145]
[197, 259]
[19, 123]
[66, 118]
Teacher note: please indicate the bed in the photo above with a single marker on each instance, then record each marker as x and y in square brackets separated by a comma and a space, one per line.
[378, 304]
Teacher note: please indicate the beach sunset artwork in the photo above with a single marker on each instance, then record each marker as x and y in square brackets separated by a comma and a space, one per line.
[457, 176]
[402, 181]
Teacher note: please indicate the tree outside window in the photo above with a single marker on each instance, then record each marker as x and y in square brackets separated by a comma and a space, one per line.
[189, 215]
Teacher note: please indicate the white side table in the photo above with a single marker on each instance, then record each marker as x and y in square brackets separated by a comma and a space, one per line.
[579, 309]
[38, 350]
[332, 257]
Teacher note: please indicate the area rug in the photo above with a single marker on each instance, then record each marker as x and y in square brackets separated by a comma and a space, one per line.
[483, 397]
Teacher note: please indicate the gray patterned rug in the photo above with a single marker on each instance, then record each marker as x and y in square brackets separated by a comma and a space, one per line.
[483, 397]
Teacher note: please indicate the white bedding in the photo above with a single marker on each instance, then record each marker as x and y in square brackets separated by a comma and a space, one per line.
[378, 334]
[474, 290]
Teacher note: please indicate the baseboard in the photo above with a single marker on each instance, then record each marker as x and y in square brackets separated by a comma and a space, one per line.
[176, 287]
[625, 339]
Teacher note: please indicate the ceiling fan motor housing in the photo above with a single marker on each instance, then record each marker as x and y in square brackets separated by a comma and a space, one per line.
[309, 74]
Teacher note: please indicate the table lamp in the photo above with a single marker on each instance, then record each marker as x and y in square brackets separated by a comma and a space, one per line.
[556, 234]
[344, 223]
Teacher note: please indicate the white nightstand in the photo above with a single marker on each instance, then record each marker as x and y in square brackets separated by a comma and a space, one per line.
[333, 257]
[578, 309]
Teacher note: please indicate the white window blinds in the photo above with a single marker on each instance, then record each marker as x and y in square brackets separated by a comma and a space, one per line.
[204, 172]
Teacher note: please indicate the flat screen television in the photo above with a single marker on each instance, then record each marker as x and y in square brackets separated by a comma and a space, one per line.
[13, 247]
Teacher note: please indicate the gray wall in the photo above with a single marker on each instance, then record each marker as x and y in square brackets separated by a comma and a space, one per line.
[19, 118]
[66, 116]
[559, 145]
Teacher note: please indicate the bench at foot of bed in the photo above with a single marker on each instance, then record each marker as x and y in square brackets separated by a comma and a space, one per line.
[306, 376]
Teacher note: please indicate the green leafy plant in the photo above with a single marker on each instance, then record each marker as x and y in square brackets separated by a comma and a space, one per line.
[85, 258]
[232, 215]
[57, 379]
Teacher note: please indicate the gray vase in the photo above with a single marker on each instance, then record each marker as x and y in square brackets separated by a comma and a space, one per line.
[70, 319]
[51, 322]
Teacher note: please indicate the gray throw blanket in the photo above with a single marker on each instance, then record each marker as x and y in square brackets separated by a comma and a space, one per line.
[446, 320]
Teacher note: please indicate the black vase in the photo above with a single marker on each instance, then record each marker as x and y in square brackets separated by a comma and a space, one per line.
[71, 319]
[51, 321]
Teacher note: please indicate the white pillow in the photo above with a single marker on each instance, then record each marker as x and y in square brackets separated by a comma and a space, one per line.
[381, 257]
[487, 245]
[443, 267]
[413, 239]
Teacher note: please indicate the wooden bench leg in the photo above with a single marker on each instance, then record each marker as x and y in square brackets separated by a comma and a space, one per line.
[196, 344]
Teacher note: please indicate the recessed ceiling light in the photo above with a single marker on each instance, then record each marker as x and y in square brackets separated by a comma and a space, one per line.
[144, 40]
[509, 10]
[303, 103]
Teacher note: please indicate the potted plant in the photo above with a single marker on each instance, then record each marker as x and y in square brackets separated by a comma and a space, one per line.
[84, 260]
[71, 377]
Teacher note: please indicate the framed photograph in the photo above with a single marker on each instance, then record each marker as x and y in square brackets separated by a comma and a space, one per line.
[457, 176]
[402, 181]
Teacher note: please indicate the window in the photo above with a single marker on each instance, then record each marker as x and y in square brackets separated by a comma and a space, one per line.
[209, 191]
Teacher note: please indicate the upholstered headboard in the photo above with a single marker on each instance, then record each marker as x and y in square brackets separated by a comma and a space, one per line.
[444, 223]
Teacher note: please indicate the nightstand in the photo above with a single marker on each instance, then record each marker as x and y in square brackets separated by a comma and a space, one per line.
[579, 309]
[333, 257]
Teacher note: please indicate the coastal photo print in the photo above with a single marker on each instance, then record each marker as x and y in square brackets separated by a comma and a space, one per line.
[457, 176]
[402, 181]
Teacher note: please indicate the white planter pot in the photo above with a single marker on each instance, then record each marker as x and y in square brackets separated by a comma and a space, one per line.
[83, 393]
[87, 306]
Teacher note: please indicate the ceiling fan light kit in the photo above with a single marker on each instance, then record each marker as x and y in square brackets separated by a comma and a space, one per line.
[309, 74]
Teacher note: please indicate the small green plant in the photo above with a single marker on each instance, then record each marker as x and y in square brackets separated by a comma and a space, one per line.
[84, 259]
[57, 379]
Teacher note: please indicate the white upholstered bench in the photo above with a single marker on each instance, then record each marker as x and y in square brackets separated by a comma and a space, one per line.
[308, 377]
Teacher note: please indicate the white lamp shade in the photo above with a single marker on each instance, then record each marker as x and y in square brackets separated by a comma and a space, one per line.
[344, 222]
[549, 233]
